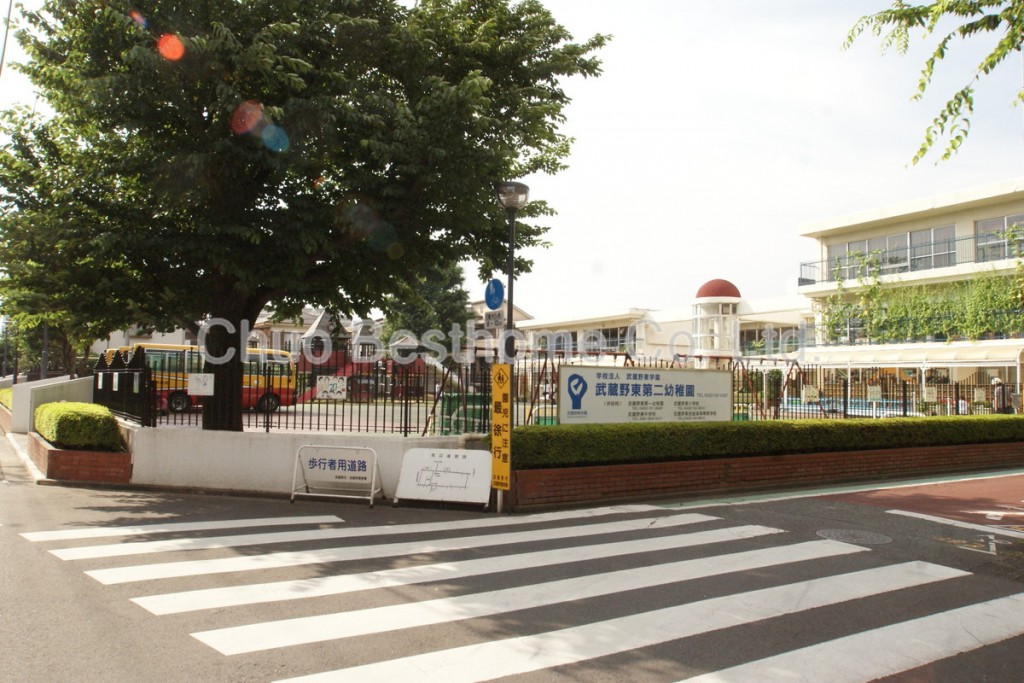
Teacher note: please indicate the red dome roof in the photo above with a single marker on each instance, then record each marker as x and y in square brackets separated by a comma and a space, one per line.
[713, 289]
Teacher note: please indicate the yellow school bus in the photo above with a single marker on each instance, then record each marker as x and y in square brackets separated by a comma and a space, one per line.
[268, 375]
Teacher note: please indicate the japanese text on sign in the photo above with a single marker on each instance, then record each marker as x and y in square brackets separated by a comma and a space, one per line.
[501, 426]
[601, 395]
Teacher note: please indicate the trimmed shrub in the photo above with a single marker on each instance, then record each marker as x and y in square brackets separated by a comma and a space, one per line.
[7, 397]
[78, 426]
[537, 447]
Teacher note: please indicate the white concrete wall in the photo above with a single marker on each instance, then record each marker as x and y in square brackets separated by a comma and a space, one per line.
[254, 461]
[28, 396]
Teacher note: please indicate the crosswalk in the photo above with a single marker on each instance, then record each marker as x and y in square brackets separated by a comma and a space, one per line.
[538, 593]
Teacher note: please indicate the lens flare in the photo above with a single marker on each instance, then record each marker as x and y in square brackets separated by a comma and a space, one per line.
[275, 138]
[247, 117]
[137, 17]
[170, 47]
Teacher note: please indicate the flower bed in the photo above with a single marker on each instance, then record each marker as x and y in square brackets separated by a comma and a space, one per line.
[80, 466]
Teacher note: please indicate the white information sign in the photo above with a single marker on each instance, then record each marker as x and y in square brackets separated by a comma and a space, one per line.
[810, 394]
[336, 471]
[200, 384]
[332, 388]
[874, 393]
[494, 320]
[444, 475]
[595, 395]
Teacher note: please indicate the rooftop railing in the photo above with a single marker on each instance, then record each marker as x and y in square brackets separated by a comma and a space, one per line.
[923, 257]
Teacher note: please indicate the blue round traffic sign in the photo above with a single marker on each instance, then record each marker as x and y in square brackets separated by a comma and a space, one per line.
[494, 295]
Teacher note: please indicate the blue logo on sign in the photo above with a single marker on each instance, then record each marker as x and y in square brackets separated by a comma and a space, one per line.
[494, 295]
[577, 388]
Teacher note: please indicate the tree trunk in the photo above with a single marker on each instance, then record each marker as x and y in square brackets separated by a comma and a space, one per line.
[224, 355]
[223, 410]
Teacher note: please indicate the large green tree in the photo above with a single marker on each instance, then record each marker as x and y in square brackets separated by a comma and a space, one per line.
[208, 157]
[1004, 19]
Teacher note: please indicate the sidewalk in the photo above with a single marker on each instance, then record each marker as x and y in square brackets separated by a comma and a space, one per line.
[15, 465]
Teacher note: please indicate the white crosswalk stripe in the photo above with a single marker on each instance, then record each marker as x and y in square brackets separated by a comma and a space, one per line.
[888, 650]
[178, 527]
[167, 570]
[377, 620]
[581, 548]
[212, 598]
[177, 544]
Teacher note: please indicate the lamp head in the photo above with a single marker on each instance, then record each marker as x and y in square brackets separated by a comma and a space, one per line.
[512, 195]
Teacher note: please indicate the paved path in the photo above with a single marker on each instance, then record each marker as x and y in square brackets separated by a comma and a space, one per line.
[993, 503]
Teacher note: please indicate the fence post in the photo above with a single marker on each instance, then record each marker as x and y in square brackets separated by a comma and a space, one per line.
[267, 390]
[846, 397]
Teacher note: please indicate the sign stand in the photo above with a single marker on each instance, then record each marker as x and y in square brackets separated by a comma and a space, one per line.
[336, 472]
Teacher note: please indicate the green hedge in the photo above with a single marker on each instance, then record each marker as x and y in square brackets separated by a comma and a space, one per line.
[7, 397]
[78, 426]
[536, 447]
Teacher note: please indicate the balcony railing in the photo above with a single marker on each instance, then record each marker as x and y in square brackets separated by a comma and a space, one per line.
[946, 254]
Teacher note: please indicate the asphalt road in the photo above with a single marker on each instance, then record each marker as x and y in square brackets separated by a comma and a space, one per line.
[109, 585]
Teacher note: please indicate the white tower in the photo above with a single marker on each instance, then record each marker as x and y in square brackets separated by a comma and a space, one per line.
[715, 323]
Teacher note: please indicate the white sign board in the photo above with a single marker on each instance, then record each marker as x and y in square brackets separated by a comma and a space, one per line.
[336, 471]
[494, 320]
[200, 384]
[596, 395]
[874, 393]
[332, 388]
[444, 475]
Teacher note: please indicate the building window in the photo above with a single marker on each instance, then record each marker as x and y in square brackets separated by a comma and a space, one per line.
[607, 340]
[991, 238]
[898, 253]
[932, 248]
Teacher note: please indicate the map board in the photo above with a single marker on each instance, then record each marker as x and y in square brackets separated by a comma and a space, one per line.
[445, 475]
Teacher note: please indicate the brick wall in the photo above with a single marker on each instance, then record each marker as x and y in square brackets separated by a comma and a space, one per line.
[576, 485]
[84, 466]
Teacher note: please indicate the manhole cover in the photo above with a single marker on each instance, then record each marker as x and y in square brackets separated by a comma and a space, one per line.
[854, 536]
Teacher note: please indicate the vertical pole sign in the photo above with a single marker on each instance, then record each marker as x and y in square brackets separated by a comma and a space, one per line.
[501, 426]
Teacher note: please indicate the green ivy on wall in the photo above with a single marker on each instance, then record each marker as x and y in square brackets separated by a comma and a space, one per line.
[987, 305]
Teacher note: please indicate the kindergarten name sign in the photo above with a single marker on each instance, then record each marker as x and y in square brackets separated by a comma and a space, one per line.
[596, 395]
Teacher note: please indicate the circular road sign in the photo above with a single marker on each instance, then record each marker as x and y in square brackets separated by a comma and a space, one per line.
[494, 295]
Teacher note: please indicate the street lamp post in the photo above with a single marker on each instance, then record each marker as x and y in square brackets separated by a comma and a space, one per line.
[512, 196]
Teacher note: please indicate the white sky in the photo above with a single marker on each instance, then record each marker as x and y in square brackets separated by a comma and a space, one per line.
[717, 131]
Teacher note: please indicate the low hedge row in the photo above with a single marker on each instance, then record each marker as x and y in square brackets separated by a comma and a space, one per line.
[78, 426]
[7, 397]
[537, 447]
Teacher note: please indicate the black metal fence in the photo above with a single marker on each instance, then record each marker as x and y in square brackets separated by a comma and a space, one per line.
[427, 399]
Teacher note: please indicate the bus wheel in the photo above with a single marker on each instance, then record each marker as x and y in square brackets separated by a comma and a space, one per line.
[268, 403]
[178, 402]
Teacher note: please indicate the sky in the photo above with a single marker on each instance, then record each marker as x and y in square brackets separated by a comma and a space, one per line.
[717, 132]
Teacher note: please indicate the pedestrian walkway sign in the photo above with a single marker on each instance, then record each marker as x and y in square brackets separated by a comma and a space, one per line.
[336, 472]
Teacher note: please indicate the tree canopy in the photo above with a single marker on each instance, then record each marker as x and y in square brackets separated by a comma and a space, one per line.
[437, 301]
[1002, 18]
[207, 158]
